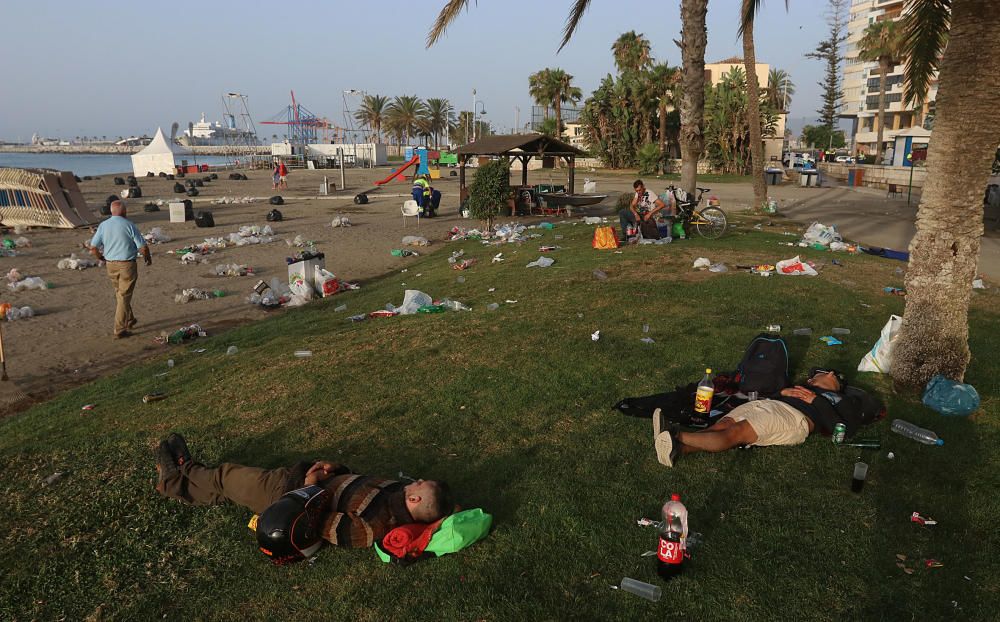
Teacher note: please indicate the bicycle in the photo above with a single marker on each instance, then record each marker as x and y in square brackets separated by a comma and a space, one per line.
[709, 222]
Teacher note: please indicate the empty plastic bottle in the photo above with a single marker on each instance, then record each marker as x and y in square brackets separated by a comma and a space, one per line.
[460, 279]
[232, 350]
[802, 332]
[841, 331]
[170, 363]
[915, 432]
[492, 306]
[600, 275]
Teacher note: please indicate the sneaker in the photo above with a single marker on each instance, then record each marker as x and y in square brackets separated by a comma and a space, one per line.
[662, 424]
[178, 449]
[166, 467]
[667, 448]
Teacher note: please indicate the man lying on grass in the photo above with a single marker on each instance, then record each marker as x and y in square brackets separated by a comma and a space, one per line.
[353, 510]
[818, 405]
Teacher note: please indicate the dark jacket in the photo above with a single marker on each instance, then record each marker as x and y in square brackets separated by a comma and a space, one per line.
[851, 406]
[363, 509]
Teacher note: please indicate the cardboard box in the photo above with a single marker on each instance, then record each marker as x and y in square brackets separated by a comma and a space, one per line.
[177, 211]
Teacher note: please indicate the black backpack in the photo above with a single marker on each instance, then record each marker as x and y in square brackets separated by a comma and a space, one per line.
[764, 367]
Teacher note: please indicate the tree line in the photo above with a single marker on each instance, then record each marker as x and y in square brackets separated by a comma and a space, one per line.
[405, 118]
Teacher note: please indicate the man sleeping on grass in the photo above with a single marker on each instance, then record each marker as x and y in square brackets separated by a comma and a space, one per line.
[302, 505]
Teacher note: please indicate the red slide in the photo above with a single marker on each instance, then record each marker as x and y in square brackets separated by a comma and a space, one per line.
[398, 173]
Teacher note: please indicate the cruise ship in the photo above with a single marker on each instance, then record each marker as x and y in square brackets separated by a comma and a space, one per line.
[205, 133]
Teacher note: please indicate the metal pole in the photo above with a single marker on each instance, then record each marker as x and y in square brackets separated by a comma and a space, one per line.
[909, 188]
[517, 119]
[473, 115]
[340, 156]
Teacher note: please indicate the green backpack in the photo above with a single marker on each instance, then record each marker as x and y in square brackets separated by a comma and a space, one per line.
[455, 533]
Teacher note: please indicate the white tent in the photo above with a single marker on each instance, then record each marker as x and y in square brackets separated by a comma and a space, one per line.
[157, 157]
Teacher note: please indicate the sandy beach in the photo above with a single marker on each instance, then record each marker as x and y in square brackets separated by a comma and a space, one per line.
[69, 341]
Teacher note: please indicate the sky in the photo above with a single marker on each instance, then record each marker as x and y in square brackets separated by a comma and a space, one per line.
[115, 68]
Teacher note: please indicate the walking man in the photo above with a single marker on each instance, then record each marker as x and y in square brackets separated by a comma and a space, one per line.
[118, 242]
[282, 175]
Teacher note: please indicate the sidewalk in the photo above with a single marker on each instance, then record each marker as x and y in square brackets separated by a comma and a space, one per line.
[867, 216]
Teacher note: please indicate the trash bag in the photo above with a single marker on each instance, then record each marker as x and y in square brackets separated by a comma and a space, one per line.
[795, 267]
[170, 177]
[204, 219]
[162, 174]
[119, 181]
[179, 188]
[274, 216]
[106, 210]
[150, 174]
[132, 192]
[214, 176]
[276, 200]
[818, 233]
[150, 207]
[77, 178]
[879, 358]
[131, 180]
[361, 199]
[234, 176]
[180, 175]
[199, 183]
[949, 397]
[192, 192]
[413, 299]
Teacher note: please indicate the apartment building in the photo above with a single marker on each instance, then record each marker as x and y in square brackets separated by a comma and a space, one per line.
[862, 80]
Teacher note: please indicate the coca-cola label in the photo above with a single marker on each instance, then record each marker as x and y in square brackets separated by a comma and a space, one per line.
[669, 551]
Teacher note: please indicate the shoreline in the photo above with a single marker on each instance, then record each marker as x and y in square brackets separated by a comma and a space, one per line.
[129, 149]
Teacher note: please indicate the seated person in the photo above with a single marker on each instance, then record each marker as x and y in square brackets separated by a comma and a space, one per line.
[362, 509]
[645, 205]
[817, 406]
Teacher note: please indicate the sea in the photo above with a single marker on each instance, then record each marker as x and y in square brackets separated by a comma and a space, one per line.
[89, 164]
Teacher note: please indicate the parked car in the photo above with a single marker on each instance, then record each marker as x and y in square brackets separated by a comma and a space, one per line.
[844, 159]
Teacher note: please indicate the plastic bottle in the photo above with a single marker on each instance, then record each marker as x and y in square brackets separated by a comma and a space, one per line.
[641, 588]
[841, 331]
[703, 397]
[673, 538]
[492, 306]
[232, 350]
[915, 432]
[802, 332]
[170, 363]
[600, 275]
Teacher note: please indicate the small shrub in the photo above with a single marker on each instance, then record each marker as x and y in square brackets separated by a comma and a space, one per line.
[490, 191]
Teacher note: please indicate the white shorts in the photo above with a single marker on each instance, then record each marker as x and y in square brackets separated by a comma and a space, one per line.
[776, 423]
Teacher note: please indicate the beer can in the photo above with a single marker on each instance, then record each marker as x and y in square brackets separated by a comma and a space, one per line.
[774, 328]
[839, 433]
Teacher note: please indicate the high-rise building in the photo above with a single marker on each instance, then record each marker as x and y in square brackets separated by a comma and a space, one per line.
[862, 81]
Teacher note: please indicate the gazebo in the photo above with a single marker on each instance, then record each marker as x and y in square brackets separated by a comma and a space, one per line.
[520, 147]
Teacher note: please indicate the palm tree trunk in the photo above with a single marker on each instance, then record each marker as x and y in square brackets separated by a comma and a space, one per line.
[662, 111]
[694, 38]
[753, 113]
[945, 250]
[884, 66]
[558, 119]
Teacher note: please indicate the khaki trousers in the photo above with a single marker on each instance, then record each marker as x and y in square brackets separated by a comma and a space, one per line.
[123, 275]
[249, 487]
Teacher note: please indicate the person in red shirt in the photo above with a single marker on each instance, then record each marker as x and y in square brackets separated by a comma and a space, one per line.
[282, 175]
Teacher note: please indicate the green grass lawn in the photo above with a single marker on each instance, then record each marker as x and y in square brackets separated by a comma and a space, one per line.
[513, 408]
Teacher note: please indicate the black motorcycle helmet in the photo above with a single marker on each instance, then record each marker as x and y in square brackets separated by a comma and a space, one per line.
[289, 529]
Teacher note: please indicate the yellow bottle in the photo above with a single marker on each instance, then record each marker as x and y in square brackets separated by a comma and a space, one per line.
[703, 397]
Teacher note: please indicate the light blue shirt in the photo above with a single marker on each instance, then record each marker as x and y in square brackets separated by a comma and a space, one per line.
[120, 239]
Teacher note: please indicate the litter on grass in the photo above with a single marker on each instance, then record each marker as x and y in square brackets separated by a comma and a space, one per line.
[701, 263]
[542, 262]
[795, 267]
[193, 293]
[31, 282]
[415, 240]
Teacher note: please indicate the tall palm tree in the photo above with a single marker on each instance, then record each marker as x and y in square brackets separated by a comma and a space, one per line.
[944, 251]
[563, 92]
[780, 89]
[882, 42]
[406, 115]
[540, 87]
[440, 118]
[372, 113]
[631, 52]
[749, 12]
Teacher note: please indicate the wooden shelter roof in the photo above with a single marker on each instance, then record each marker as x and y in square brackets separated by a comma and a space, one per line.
[510, 144]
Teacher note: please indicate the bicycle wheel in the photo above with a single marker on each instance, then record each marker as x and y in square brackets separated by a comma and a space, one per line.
[711, 223]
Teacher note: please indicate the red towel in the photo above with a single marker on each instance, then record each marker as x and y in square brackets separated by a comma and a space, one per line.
[409, 540]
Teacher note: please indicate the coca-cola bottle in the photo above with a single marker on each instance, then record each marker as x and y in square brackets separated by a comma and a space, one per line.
[673, 538]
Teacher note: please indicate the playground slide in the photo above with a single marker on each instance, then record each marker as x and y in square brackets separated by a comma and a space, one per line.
[398, 173]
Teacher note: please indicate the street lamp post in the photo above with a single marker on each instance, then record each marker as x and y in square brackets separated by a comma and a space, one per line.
[475, 122]
[472, 120]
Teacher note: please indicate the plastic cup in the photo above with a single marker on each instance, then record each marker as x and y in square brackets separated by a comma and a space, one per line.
[860, 473]
[641, 588]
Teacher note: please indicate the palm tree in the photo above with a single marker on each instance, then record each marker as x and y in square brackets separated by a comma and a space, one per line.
[372, 113]
[749, 13]
[405, 116]
[440, 118]
[882, 42]
[663, 81]
[945, 250]
[780, 89]
[631, 52]
[540, 87]
[694, 38]
[563, 92]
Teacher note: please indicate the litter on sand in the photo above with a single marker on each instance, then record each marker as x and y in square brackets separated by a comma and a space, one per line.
[76, 263]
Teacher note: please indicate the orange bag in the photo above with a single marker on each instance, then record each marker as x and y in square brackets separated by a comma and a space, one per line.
[605, 238]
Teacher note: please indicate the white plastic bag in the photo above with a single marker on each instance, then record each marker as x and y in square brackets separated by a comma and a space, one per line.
[701, 263]
[541, 262]
[822, 234]
[879, 358]
[413, 299]
[302, 289]
[795, 266]
[415, 240]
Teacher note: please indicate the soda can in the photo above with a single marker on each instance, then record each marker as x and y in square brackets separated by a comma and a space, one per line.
[839, 433]
[774, 328]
